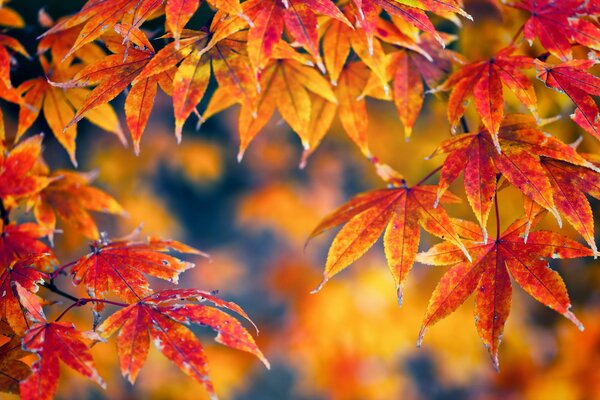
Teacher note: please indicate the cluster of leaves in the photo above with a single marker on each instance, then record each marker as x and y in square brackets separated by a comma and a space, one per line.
[311, 60]
[111, 268]
[114, 273]
[507, 150]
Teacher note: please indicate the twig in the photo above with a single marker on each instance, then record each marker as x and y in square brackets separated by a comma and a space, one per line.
[516, 36]
[4, 214]
[57, 271]
[84, 301]
[429, 175]
[463, 123]
[53, 288]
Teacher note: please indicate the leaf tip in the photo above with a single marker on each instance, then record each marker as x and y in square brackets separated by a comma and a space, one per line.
[240, 155]
[73, 159]
[318, 288]
[421, 336]
[400, 294]
[571, 317]
[178, 130]
[496, 363]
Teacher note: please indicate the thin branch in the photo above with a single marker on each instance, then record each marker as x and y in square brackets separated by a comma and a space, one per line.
[4, 214]
[84, 301]
[53, 288]
[429, 175]
[517, 34]
[463, 123]
[58, 270]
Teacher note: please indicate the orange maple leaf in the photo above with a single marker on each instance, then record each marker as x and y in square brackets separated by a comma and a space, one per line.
[70, 197]
[399, 211]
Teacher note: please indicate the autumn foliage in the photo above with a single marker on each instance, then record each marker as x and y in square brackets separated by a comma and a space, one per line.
[310, 62]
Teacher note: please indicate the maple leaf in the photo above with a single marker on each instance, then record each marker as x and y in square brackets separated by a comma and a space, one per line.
[12, 369]
[60, 44]
[157, 317]
[100, 16]
[419, 61]
[522, 144]
[483, 81]
[197, 52]
[178, 14]
[21, 241]
[571, 79]
[7, 42]
[399, 211]
[17, 175]
[488, 275]
[289, 86]
[53, 342]
[570, 183]
[70, 197]
[119, 267]
[557, 23]
[15, 278]
[339, 38]
[352, 110]
[10, 18]
[112, 75]
[299, 17]
[412, 11]
[58, 107]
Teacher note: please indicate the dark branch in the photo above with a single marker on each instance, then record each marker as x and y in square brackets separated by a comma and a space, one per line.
[4, 213]
[53, 288]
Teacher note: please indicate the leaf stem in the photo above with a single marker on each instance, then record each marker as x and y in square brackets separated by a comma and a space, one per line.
[57, 271]
[429, 175]
[497, 214]
[517, 34]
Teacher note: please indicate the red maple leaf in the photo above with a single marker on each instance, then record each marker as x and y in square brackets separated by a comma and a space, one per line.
[572, 79]
[494, 261]
[12, 368]
[119, 267]
[557, 23]
[17, 178]
[54, 342]
[160, 319]
[18, 242]
[522, 143]
[367, 13]
[299, 17]
[16, 278]
[70, 197]
[570, 183]
[483, 81]
[416, 61]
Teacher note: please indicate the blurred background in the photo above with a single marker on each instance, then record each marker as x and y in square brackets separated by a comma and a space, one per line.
[351, 340]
